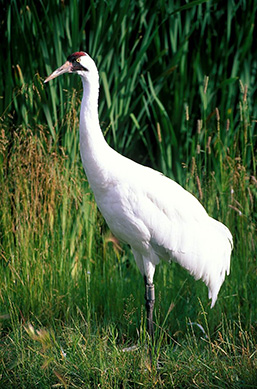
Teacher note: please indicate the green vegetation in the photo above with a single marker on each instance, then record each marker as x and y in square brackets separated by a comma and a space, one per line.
[178, 93]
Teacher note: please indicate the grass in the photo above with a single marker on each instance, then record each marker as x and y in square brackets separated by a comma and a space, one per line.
[79, 357]
[59, 260]
[177, 93]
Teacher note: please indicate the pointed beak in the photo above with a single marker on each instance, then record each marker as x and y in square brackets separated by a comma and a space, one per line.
[65, 68]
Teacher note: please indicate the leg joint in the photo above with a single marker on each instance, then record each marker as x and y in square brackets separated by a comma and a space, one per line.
[149, 292]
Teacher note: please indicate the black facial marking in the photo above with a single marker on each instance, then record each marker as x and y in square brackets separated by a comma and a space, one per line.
[73, 59]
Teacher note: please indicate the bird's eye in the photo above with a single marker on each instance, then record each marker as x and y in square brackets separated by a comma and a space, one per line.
[78, 59]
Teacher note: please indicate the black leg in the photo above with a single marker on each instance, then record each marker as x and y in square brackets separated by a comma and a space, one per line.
[150, 299]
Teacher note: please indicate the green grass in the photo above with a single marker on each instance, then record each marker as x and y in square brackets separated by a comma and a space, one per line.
[178, 92]
[76, 356]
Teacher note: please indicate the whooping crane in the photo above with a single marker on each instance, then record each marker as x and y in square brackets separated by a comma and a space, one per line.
[153, 214]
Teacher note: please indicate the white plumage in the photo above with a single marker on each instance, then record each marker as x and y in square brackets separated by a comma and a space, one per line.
[143, 208]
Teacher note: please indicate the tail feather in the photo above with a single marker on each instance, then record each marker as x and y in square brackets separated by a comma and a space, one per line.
[226, 246]
[210, 256]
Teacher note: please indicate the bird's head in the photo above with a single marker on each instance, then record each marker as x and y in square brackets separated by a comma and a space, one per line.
[79, 62]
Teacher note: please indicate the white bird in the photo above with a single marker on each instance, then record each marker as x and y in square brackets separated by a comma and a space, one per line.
[153, 214]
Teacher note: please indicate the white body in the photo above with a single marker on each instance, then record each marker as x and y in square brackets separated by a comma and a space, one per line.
[150, 212]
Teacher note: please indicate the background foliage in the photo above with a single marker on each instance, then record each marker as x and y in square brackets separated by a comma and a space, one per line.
[178, 93]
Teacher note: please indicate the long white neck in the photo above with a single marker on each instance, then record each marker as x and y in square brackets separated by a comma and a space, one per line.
[94, 150]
